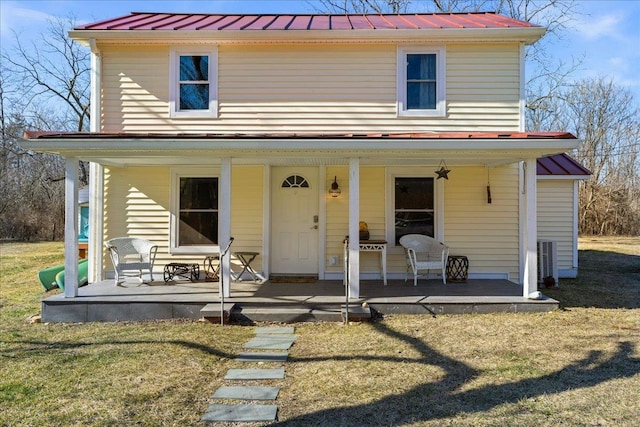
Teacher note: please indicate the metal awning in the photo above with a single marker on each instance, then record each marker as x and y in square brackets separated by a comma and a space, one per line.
[472, 148]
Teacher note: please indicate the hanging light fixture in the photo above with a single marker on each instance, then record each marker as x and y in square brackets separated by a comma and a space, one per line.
[443, 172]
[335, 191]
[488, 186]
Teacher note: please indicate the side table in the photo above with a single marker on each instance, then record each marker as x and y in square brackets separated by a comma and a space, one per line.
[211, 270]
[457, 268]
[246, 258]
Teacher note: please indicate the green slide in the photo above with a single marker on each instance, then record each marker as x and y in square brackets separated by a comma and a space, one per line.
[54, 276]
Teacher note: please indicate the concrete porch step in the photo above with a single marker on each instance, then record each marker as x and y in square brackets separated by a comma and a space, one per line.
[211, 312]
[297, 313]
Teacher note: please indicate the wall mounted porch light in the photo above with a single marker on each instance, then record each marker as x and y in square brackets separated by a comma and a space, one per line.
[443, 172]
[335, 191]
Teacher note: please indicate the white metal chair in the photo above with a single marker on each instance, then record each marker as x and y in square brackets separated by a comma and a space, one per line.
[424, 253]
[130, 254]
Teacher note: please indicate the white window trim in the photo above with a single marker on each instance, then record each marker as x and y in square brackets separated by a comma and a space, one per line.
[438, 200]
[174, 86]
[401, 75]
[174, 203]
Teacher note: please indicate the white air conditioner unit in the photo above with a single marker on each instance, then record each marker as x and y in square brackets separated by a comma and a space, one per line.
[547, 260]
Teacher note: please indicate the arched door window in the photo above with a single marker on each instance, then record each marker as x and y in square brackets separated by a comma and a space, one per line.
[295, 181]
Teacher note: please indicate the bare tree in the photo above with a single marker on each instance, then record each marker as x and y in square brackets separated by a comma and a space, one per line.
[364, 6]
[605, 118]
[43, 86]
[56, 68]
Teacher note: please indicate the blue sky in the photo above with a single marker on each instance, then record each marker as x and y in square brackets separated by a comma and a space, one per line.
[606, 34]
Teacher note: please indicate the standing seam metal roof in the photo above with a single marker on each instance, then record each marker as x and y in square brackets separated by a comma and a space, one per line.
[218, 22]
[559, 165]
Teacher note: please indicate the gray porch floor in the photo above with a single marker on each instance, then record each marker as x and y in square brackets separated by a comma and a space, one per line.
[104, 301]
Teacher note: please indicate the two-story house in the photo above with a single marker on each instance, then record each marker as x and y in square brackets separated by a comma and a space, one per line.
[208, 126]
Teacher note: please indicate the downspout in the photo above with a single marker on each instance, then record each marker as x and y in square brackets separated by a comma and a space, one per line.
[523, 91]
[96, 173]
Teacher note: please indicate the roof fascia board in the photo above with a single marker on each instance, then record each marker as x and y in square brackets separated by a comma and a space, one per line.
[545, 146]
[526, 35]
[562, 177]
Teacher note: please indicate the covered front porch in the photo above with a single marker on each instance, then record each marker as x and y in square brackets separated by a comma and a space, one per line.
[317, 300]
[135, 181]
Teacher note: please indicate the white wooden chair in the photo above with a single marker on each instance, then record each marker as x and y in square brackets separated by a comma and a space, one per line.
[130, 254]
[424, 253]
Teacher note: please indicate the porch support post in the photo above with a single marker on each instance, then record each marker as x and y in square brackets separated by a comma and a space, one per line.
[224, 223]
[71, 229]
[96, 174]
[96, 221]
[354, 229]
[530, 280]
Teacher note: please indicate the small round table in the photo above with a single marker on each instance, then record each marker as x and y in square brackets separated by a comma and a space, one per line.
[457, 268]
[211, 270]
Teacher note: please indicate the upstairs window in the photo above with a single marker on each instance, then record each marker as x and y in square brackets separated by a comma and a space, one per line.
[421, 82]
[193, 84]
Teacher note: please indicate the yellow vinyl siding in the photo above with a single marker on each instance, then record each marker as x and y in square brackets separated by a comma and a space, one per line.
[135, 88]
[339, 88]
[488, 234]
[246, 211]
[137, 205]
[337, 217]
[555, 217]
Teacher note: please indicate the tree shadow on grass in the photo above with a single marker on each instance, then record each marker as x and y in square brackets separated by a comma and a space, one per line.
[425, 402]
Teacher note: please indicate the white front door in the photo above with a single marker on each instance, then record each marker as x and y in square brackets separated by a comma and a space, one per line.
[294, 220]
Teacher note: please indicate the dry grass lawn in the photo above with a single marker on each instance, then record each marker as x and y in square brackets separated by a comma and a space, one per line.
[578, 366]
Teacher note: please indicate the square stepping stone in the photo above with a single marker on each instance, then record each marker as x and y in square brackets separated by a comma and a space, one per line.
[246, 393]
[240, 413]
[269, 343]
[255, 374]
[269, 330]
[262, 357]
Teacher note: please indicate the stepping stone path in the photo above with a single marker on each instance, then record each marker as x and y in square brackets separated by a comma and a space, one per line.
[267, 338]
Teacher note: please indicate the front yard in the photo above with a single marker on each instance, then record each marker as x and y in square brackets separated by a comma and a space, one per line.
[577, 366]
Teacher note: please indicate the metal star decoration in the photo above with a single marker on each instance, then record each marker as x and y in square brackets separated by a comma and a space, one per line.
[443, 172]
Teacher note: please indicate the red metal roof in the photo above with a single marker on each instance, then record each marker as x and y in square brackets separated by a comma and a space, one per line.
[425, 135]
[184, 21]
[560, 164]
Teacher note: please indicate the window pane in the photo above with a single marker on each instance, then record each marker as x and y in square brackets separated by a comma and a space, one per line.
[414, 193]
[198, 228]
[198, 211]
[421, 96]
[421, 66]
[194, 96]
[413, 223]
[198, 193]
[194, 68]
[413, 207]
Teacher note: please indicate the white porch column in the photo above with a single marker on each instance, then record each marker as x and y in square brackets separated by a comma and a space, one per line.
[354, 228]
[96, 221]
[71, 229]
[529, 188]
[224, 223]
[96, 175]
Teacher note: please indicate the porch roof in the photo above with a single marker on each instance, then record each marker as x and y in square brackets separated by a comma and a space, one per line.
[462, 148]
